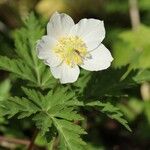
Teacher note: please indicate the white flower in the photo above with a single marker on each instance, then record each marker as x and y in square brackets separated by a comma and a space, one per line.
[68, 45]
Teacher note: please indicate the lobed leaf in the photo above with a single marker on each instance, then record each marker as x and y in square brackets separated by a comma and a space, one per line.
[17, 67]
[49, 110]
[111, 111]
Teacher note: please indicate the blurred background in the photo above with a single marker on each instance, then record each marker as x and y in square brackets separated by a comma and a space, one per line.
[127, 24]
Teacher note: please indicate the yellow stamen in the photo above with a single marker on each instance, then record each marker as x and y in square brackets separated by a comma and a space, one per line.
[71, 49]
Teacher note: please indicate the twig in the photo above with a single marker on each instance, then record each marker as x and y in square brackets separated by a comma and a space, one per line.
[14, 140]
[134, 13]
[31, 145]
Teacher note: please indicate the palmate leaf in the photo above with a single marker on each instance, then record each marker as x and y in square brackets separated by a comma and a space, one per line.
[111, 111]
[57, 97]
[56, 108]
[25, 42]
[27, 66]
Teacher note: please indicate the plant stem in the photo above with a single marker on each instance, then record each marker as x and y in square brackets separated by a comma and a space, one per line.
[134, 13]
[31, 145]
[14, 140]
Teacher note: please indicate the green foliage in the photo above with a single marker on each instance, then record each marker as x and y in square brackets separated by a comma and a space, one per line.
[82, 82]
[54, 108]
[69, 135]
[114, 6]
[94, 147]
[4, 94]
[98, 85]
[144, 4]
[18, 67]
[137, 54]
[27, 66]
[142, 76]
[26, 38]
[47, 110]
[57, 107]
[147, 110]
[135, 107]
[132, 108]
[111, 111]
[4, 89]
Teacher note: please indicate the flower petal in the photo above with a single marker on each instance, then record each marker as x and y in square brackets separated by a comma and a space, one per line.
[100, 59]
[65, 73]
[44, 46]
[59, 25]
[44, 51]
[91, 30]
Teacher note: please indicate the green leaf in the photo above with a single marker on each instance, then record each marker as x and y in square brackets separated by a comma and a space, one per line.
[27, 65]
[68, 114]
[107, 83]
[147, 110]
[4, 89]
[26, 38]
[142, 76]
[69, 135]
[133, 49]
[42, 121]
[132, 108]
[111, 111]
[56, 108]
[82, 82]
[20, 106]
[17, 67]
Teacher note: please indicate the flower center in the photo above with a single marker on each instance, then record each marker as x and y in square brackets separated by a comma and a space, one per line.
[71, 49]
